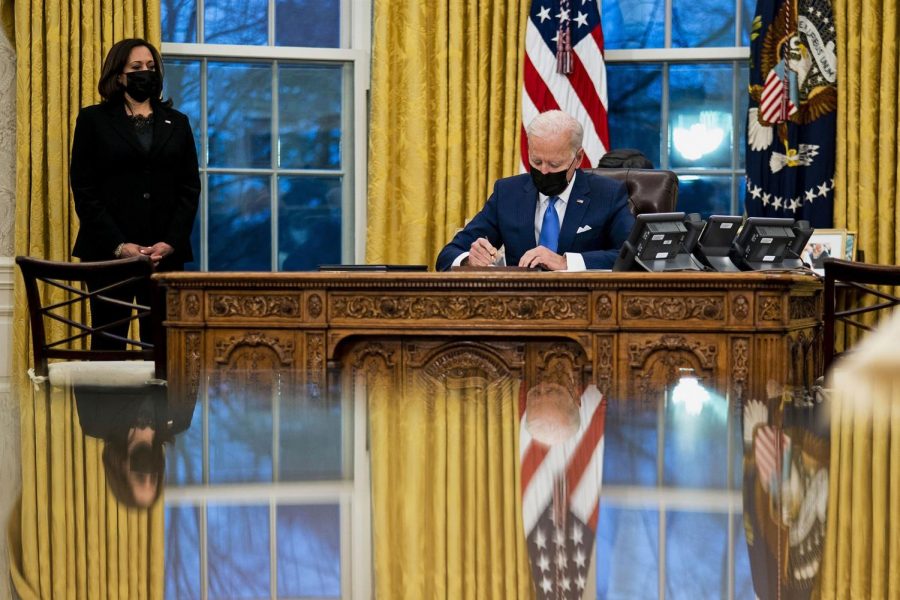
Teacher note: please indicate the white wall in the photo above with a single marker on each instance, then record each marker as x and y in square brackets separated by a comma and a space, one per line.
[9, 408]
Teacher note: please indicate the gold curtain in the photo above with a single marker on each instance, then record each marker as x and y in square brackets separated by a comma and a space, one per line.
[446, 507]
[445, 119]
[60, 45]
[867, 184]
[862, 548]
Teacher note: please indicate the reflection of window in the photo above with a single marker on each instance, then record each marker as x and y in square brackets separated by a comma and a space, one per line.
[677, 86]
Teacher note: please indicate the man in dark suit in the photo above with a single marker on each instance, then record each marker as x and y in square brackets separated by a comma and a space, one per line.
[556, 217]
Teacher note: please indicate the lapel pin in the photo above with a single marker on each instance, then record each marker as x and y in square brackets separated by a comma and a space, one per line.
[168, 122]
[579, 201]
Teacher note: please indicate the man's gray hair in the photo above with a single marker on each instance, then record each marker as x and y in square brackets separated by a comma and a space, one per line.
[553, 123]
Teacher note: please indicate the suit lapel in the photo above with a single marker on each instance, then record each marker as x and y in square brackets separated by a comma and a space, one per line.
[123, 126]
[574, 212]
[527, 209]
[162, 128]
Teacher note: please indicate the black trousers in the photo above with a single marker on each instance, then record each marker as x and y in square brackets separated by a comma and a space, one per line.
[144, 292]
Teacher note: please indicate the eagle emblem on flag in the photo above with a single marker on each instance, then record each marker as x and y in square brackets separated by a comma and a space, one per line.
[791, 121]
[561, 455]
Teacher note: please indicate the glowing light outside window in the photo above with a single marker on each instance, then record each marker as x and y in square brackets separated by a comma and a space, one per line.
[689, 393]
[695, 136]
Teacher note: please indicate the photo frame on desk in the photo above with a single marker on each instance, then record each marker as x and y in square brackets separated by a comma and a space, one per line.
[825, 243]
[850, 250]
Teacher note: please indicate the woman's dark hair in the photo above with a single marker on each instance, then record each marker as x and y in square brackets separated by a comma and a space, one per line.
[115, 464]
[109, 87]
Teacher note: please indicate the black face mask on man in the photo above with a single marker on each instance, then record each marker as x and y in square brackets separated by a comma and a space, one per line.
[551, 184]
[141, 85]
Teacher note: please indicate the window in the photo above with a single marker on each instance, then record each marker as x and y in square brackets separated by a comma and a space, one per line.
[276, 94]
[275, 91]
[677, 84]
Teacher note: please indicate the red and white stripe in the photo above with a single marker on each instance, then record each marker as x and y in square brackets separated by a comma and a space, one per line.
[579, 460]
[775, 105]
[582, 93]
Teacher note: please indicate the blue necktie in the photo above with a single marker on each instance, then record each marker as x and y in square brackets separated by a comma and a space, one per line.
[549, 237]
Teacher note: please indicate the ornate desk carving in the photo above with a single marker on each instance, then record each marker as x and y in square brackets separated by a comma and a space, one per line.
[628, 332]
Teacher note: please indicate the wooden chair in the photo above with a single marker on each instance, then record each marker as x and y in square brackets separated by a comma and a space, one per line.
[858, 278]
[138, 364]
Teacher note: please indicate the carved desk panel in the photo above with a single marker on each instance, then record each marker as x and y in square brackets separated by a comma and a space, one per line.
[630, 333]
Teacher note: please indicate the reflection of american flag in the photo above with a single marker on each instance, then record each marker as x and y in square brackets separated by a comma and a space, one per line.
[770, 447]
[560, 500]
[573, 79]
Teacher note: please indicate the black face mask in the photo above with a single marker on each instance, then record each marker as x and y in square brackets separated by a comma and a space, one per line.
[551, 184]
[141, 85]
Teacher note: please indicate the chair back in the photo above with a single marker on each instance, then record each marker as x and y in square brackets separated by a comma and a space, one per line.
[649, 190]
[71, 280]
[859, 279]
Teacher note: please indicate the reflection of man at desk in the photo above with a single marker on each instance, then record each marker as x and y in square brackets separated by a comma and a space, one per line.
[557, 217]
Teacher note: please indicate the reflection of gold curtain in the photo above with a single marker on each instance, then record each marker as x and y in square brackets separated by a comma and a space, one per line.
[69, 537]
[447, 519]
[862, 547]
[867, 189]
[444, 121]
[60, 45]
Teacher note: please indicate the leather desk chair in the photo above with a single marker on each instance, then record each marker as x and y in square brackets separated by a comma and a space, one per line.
[649, 190]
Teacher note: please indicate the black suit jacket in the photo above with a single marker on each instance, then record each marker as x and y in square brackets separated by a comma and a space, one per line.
[124, 194]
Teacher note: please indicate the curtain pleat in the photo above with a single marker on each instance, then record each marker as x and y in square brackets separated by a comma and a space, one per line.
[444, 120]
[446, 516]
[67, 538]
[867, 184]
[862, 547]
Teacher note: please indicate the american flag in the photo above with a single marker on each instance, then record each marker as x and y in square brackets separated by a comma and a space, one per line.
[560, 500]
[565, 70]
[771, 447]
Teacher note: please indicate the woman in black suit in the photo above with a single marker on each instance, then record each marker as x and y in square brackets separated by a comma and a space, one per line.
[134, 177]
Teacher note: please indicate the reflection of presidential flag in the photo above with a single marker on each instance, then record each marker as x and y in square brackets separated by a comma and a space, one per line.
[564, 69]
[791, 121]
[560, 500]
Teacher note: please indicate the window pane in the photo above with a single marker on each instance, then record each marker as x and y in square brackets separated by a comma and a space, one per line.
[309, 551]
[700, 120]
[183, 86]
[179, 20]
[243, 22]
[240, 114]
[310, 23]
[707, 194]
[696, 446]
[240, 223]
[702, 23]
[309, 113]
[309, 226]
[635, 101]
[312, 435]
[627, 553]
[637, 24]
[630, 449]
[182, 552]
[184, 457]
[748, 11]
[689, 536]
[240, 428]
[238, 551]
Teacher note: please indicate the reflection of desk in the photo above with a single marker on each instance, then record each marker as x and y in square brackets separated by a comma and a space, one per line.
[629, 332]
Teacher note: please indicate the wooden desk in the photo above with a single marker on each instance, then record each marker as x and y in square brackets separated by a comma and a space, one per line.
[630, 333]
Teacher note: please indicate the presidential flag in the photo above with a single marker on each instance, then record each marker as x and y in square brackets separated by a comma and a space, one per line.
[565, 70]
[561, 489]
[792, 120]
